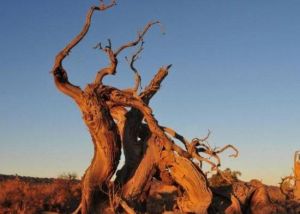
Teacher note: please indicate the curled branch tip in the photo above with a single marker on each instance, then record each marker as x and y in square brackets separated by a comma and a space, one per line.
[229, 147]
[103, 6]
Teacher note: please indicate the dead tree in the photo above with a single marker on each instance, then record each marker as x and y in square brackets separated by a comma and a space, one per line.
[122, 119]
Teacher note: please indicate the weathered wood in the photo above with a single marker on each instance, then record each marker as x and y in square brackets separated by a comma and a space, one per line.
[119, 119]
[134, 134]
[198, 196]
[107, 149]
[135, 185]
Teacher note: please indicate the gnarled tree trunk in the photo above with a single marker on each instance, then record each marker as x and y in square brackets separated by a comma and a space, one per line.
[122, 119]
[107, 150]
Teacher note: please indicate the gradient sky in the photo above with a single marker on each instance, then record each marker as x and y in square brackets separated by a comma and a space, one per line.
[235, 71]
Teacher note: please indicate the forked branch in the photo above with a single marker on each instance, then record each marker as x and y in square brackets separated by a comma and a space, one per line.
[63, 53]
[112, 55]
[198, 146]
[138, 39]
[59, 73]
[111, 68]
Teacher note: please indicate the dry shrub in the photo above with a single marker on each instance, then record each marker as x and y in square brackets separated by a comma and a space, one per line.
[19, 195]
[224, 178]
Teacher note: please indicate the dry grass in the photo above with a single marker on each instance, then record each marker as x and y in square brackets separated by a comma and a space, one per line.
[26, 195]
[35, 195]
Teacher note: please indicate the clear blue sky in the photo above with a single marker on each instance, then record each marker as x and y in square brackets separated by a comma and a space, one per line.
[236, 71]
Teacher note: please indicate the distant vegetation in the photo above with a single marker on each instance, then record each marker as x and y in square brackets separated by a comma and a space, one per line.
[68, 176]
[34, 195]
[28, 195]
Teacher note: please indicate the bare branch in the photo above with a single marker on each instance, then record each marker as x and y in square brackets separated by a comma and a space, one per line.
[138, 39]
[109, 44]
[110, 69]
[154, 85]
[62, 54]
[60, 75]
[176, 136]
[134, 57]
[206, 150]
[227, 147]
[191, 147]
[198, 146]
[103, 6]
[200, 142]
[203, 139]
[201, 159]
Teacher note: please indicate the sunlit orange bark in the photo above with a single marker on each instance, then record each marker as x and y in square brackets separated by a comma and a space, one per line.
[122, 119]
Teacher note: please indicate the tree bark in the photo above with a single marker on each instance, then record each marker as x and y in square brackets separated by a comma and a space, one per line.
[107, 150]
[147, 147]
[198, 196]
[135, 134]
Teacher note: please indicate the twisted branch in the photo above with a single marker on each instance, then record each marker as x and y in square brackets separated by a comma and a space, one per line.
[63, 53]
[229, 146]
[112, 55]
[138, 39]
[135, 57]
[59, 73]
[198, 146]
